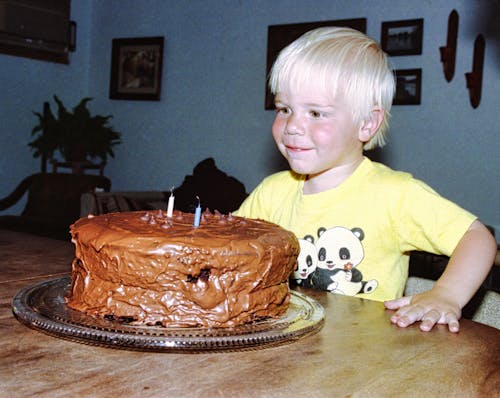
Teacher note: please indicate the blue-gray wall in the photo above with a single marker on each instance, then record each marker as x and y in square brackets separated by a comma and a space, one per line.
[212, 100]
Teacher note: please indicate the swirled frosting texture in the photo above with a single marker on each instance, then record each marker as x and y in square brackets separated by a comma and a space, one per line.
[146, 268]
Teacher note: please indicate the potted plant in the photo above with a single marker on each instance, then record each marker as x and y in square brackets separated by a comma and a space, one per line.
[76, 135]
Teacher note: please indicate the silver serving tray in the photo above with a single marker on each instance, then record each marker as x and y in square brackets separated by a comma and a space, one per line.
[42, 307]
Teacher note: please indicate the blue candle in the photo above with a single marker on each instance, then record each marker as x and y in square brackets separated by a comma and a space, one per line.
[197, 214]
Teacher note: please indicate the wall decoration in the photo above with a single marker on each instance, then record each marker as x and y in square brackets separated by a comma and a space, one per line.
[136, 69]
[40, 30]
[448, 52]
[408, 86]
[474, 78]
[279, 36]
[402, 37]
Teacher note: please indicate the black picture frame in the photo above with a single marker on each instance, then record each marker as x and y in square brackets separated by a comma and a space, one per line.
[279, 36]
[402, 37]
[408, 87]
[136, 68]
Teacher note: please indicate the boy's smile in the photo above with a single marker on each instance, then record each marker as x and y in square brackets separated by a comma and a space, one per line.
[295, 150]
[317, 136]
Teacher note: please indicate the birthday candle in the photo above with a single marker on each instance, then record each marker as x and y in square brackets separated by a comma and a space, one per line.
[170, 206]
[197, 214]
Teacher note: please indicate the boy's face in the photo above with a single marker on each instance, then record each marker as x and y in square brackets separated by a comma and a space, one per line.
[316, 135]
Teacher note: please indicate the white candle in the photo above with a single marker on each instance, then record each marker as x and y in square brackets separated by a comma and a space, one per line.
[170, 206]
[197, 214]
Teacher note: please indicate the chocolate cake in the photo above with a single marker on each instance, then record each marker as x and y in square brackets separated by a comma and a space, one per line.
[150, 269]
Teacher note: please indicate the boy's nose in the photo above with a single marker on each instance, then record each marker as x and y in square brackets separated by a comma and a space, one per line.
[294, 127]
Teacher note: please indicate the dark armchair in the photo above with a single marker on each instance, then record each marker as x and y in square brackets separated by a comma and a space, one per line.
[53, 202]
[216, 190]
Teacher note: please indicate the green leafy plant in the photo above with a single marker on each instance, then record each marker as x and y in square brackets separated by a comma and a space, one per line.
[76, 135]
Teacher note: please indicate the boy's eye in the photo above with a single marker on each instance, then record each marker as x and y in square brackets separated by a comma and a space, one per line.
[283, 110]
[315, 114]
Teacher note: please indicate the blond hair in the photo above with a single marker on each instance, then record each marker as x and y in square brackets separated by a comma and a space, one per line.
[339, 61]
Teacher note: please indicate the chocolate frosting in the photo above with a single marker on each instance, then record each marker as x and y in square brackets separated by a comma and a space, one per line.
[146, 268]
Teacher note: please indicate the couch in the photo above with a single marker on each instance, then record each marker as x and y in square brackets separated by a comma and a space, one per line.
[216, 190]
[52, 204]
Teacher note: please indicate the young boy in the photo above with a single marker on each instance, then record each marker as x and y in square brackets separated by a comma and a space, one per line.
[357, 220]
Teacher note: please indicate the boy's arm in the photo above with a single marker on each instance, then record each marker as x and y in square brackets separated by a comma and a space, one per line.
[468, 267]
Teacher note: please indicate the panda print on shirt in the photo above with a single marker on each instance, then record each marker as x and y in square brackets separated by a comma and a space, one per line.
[330, 262]
[306, 262]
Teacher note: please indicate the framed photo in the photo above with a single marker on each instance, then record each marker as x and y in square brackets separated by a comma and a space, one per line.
[280, 36]
[136, 69]
[408, 86]
[402, 37]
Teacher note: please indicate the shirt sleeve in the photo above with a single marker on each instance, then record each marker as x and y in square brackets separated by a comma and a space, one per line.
[256, 204]
[429, 222]
[270, 197]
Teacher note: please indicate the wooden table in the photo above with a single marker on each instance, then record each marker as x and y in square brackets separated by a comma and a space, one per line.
[358, 353]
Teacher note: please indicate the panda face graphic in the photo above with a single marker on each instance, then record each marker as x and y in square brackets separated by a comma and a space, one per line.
[307, 260]
[339, 248]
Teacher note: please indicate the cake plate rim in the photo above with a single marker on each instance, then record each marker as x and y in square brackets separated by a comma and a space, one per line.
[41, 306]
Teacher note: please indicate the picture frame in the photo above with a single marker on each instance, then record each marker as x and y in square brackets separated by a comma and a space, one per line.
[408, 87]
[136, 68]
[402, 37]
[279, 36]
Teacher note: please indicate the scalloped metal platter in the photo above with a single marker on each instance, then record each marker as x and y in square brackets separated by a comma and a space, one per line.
[42, 307]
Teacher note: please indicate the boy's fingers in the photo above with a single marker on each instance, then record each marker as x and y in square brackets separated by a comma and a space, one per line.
[429, 320]
[397, 303]
[408, 315]
[452, 321]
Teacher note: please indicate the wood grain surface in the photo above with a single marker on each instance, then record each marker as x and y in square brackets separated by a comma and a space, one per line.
[358, 353]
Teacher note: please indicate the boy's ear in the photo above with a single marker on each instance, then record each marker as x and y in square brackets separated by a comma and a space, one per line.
[371, 124]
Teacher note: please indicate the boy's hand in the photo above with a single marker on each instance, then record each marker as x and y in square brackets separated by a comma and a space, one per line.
[463, 275]
[429, 307]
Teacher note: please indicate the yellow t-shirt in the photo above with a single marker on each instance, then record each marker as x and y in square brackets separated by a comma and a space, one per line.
[355, 239]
